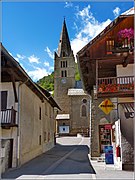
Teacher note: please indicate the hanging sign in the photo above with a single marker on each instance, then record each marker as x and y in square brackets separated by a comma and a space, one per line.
[106, 106]
[108, 126]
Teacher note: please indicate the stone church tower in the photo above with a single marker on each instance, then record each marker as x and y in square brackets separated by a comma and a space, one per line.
[74, 103]
[64, 71]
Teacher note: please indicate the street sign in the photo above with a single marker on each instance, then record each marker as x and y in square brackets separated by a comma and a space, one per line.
[106, 106]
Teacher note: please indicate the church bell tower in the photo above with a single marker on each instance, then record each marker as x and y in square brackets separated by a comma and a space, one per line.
[64, 71]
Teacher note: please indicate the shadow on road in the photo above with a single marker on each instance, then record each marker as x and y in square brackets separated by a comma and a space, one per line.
[62, 159]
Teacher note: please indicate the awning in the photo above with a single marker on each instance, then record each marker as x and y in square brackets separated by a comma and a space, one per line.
[128, 109]
[62, 116]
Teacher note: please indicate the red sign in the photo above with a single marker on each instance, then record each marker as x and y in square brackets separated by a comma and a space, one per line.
[108, 126]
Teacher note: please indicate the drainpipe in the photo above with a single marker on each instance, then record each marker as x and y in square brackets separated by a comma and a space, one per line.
[18, 121]
[90, 122]
[90, 126]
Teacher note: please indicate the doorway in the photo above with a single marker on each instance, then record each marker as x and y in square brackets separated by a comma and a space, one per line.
[104, 136]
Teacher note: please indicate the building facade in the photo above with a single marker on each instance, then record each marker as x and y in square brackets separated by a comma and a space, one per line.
[106, 64]
[74, 103]
[27, 115]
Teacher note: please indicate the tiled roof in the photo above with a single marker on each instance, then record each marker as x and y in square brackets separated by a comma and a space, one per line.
[76, 92]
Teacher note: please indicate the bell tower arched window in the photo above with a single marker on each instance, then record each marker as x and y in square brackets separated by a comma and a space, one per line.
[84, 111]
[64, 73]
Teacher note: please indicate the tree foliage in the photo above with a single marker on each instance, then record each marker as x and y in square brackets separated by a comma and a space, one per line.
[47, 82]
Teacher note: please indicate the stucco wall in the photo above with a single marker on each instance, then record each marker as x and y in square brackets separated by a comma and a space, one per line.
[32, 127]
[7, 86]
[79, 124]
[11, 134]
[129, 70]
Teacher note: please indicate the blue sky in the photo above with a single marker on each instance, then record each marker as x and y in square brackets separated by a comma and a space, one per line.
[31, 30]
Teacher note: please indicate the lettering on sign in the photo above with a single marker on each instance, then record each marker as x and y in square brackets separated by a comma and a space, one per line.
[106, 106]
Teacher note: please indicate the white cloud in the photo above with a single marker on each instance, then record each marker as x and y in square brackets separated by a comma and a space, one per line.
[116, 11]
[68, 4]
[88, 29]
[33, 59]
[38, 73]
[20, 56]
[50, 54]
[51, 68]
[46, 64]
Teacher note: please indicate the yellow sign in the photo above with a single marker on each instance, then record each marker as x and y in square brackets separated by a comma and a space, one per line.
[106, 106]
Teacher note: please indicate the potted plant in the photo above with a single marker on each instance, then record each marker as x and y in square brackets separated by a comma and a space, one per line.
[126, 38]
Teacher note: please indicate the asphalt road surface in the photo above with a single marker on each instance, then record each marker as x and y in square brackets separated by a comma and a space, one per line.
[67, 160]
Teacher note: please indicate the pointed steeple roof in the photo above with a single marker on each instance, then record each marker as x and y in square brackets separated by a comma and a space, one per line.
[64, 48]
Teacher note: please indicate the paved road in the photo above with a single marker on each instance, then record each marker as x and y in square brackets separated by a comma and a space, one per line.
[67, 160]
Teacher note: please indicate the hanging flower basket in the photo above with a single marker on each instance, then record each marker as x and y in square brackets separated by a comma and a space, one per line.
[125, 39]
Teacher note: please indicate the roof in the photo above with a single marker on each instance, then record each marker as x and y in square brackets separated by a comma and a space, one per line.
[49, 96]
[10, 67]
[64, 43]
[130, 12]
[76, 92]
[63, 116]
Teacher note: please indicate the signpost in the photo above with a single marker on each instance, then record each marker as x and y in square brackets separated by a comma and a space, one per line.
[106, 106]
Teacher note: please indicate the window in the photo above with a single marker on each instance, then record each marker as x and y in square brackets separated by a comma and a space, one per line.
[63, 64]
[84, 101]
[45, 108]
[109, 45]
[40, 140]
[40, 113]
[84, 111]
[63, 54]
[3, 99]
[64, 73]
[50, 112]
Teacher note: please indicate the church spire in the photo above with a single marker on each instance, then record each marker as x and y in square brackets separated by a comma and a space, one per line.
[64, 48]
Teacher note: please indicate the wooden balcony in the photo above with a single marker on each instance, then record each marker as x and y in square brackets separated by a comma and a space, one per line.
[117, 48]
[116, 87]
[8, 118]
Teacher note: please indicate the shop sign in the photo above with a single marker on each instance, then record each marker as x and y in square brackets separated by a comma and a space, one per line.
[108, 126]
[106, 106]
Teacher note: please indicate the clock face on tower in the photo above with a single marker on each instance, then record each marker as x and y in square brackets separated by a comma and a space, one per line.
[63, 80]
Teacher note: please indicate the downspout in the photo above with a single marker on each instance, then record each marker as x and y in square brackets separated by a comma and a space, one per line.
[18, 122]
[90, 126]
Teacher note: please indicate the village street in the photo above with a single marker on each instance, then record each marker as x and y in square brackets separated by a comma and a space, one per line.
[67, 160]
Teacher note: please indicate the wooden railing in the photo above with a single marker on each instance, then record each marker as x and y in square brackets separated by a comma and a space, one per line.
[116, 47]
[115, 84]
[8, 116]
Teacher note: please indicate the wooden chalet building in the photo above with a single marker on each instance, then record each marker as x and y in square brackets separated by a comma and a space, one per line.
[27, 115]
[106, 66]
